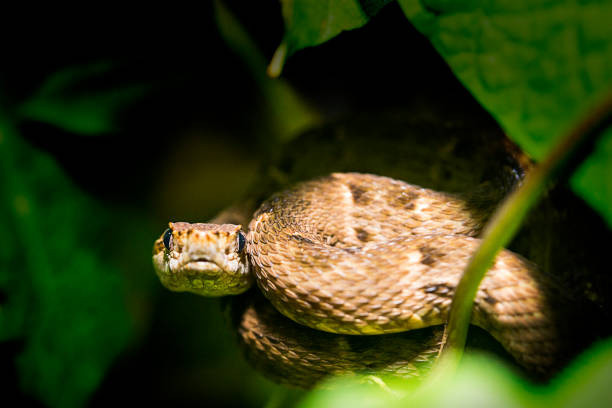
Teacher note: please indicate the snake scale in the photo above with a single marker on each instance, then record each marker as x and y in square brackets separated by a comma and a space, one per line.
[360, 254]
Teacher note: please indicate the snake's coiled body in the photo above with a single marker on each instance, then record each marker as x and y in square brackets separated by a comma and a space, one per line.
[296, 355]
[363, 254]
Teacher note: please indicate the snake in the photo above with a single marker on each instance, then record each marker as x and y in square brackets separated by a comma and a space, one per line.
[360, 254]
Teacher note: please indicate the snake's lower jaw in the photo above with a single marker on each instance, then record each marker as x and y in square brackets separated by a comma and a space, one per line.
[205, 285]
[222, 285]
[205, 278]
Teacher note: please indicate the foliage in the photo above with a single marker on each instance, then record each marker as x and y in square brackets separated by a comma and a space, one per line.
[62, 299]
[535, 66]
[66, 101]
[483, 382]
[310, 23]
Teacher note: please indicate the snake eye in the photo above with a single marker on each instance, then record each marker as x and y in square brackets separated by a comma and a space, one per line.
[241, 241]
[166, 239]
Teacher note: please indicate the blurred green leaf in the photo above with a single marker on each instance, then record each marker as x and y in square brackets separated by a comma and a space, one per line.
[65, 102]
[586, 383]
[345, 392]
[593, 179]
[312, 22]
[62, 299]
[535, 65]
[482, 381]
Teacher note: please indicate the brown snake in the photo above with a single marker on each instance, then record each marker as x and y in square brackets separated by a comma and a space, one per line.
[363, 254]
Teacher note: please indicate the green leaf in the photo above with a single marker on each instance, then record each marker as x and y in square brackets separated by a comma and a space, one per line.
[343, 392]
[64, 102]
[62, 299]
[535, 65]
[593, 179]
[586, 383]
[312, 22]
[481, 381]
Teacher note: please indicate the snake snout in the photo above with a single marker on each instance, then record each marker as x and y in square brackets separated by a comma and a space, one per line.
[202, 267]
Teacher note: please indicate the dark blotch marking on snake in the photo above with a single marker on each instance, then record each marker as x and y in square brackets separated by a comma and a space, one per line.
[489, 299]
[359, 194]
[441, 289]
[404, 200]
[362, 234]
[430, 255]
[300, 238]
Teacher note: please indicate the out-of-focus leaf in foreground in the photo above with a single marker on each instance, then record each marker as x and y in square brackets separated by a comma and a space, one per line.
[483, 382]
[62, 300]
[480, 382]
[65, 102]
[535, 65]
[586, 383]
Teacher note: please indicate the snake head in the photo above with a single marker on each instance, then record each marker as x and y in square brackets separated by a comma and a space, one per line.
[205, 259]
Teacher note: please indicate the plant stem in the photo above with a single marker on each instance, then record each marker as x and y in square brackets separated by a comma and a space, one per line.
[506, 220]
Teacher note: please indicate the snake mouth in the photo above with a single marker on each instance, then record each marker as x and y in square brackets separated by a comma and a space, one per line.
[203, 266]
